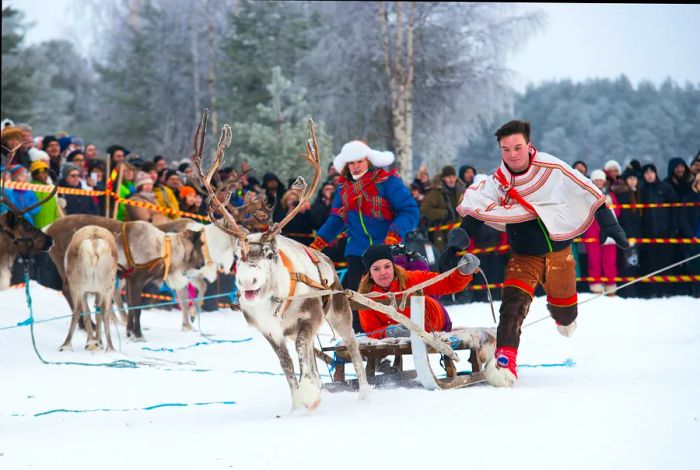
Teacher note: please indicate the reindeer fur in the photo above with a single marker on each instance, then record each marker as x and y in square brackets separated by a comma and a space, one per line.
[91, 268]
[262, 279]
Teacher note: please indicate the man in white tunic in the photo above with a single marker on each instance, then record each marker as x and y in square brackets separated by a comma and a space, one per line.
[542, 204]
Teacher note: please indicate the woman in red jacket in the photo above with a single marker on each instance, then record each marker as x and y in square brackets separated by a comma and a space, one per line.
[384, 276]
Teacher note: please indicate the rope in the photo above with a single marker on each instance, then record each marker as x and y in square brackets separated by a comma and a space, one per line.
[146, 408]
[639, 279]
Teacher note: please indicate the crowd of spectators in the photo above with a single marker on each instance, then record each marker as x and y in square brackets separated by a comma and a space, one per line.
[163, 181]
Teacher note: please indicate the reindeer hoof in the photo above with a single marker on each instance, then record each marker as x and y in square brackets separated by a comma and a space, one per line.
[65, 347]
[92, 346]
[364, 392]
[186, 327]
[138, 339]
[308, 394]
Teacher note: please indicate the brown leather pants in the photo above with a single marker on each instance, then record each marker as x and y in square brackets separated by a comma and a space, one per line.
[556, 272]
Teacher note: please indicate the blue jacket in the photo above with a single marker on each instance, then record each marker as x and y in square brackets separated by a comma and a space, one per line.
[364, 230]
[21, 198]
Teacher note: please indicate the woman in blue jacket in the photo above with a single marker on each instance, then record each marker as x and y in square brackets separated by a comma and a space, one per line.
[372, 204]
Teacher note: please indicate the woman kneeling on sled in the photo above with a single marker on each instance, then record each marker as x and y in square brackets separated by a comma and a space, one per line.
[383, 275]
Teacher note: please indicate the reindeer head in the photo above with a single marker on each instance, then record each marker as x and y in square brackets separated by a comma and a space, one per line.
[257, 256]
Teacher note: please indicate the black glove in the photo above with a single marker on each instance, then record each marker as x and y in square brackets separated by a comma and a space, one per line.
[457, 240]
[631, 257]
[471, 264]
[609, 227]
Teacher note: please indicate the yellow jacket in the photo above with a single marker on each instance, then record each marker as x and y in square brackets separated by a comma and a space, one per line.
[166, 198]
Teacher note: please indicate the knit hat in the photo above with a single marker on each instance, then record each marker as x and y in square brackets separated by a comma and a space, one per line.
[448, 170]
[77, 141]
[357, 150]
[630, 172]
[35, 154]
[15, 169]
[376, 252]
[64, 142]
[612, 164]
[597, 175]
[142, 178]
[38, 165]
[649, 166]
[187, 190]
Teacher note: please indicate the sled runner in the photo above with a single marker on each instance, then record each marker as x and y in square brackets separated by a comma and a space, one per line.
[481, 343]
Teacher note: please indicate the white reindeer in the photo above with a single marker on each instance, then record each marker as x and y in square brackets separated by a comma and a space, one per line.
[270, 268]
[91, 268]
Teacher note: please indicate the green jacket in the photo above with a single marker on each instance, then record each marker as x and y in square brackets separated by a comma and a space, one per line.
[48, 211]
[126, 189]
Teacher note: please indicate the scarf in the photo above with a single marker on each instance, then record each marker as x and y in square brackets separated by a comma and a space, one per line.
[363, 196]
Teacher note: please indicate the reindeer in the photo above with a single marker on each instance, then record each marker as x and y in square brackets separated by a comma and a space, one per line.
[91, 268]
[270, 268]
[17, 236]
[144, 262]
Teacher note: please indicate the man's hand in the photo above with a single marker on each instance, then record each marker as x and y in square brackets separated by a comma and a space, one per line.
[468, 264]
[397, 331]
[609, 227]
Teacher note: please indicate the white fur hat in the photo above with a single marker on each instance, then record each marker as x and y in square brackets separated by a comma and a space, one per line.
[597, 175]
[36, 154]
[357, 150]
[612, 164]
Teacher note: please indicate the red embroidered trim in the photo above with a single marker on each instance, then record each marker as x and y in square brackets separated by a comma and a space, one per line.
[520, 285]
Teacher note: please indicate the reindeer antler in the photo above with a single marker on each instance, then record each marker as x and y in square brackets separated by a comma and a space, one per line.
[313, 157]
[213, 203]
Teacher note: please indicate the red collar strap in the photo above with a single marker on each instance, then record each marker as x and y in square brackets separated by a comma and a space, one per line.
[512, 192]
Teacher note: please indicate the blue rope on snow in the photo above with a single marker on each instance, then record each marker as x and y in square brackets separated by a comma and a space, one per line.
[568, 362]
[147, 408]
[201, 343]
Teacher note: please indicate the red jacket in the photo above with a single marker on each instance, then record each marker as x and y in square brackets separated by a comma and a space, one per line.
[374, 323]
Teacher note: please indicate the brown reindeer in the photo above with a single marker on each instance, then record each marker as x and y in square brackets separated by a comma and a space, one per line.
[145, 245]
[270, 268]
[18, 236]
[91, 268]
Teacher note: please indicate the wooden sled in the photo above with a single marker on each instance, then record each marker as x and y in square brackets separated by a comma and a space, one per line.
[481, 342]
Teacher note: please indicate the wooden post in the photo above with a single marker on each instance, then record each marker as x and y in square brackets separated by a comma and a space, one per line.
[107, 193]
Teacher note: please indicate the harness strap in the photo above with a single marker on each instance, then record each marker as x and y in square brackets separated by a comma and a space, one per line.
[295, 277]
[132, 265]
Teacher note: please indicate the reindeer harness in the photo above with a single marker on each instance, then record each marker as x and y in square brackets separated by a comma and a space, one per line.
[165, 256]
[295, 277]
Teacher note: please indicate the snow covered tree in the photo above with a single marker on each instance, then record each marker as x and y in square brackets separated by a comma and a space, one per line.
[278, 136]
[17, 89]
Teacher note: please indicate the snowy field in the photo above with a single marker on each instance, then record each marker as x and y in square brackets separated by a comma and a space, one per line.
[628, 398]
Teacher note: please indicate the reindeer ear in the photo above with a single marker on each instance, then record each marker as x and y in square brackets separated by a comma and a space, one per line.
[194, 235]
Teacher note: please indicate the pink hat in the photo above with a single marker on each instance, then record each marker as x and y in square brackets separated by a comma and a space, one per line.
[143, 178]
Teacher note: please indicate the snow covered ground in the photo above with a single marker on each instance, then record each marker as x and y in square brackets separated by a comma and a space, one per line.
[632, 399]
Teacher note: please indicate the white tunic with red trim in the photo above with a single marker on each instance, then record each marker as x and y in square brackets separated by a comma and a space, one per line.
[560, 196]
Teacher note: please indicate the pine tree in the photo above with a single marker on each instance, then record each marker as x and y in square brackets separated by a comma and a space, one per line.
[17, 89]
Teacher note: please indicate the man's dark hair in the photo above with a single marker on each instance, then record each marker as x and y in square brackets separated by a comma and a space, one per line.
[158, 158]
[514, 127]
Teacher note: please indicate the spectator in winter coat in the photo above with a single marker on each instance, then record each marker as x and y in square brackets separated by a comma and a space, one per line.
[581, 166]
[165, 195]
[602, 259]
[143, 193]
[76, 203]
[11, 141]
[48, 211]
[372, 204]
[659, 222]
[300, 228]
[690, 228]
[422, 179]
[383, 275]
[51, 146]
[274, 191]
[630, 220]
[613, 172]
[679, 177]
[20, 198]
[466, 175]
[695, 165]
[440, 202]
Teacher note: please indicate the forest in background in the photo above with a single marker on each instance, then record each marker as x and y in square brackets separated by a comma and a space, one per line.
[429, 81]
